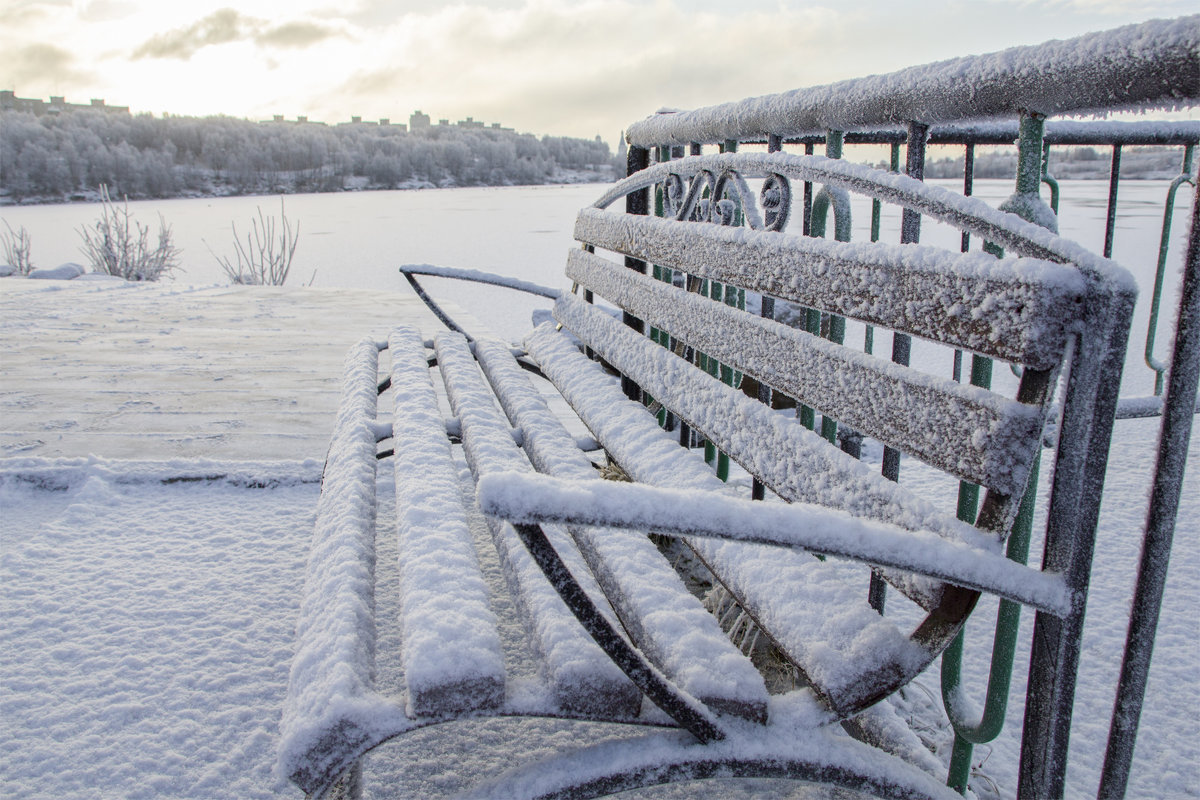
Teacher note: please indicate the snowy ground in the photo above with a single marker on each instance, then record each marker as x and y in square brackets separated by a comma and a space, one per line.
[146, 606]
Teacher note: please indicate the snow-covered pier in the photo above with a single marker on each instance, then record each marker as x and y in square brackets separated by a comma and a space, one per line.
[162, 371]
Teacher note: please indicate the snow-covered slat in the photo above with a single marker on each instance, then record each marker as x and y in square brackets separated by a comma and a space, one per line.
[581, 677]
[1014, 309]
[793, 461]
[662, 617]
[820, 620]
[332, 713]
[450, 648]
[969, 432]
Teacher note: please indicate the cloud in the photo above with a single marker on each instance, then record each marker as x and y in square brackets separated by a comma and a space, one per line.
[228, 25]
[221, 27]
[296, 34]
[570, 67]
[38, 62]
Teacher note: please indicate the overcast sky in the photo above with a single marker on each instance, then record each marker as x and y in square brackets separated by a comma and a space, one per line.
[544, 66]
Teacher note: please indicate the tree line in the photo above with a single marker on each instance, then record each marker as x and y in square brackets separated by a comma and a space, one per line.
[1067, 163]
[56, 157]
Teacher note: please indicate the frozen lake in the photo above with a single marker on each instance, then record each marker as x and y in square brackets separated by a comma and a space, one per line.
[356, 240]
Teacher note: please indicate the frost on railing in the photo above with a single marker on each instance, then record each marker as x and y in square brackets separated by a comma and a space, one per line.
[1154, 65]
[995, 99]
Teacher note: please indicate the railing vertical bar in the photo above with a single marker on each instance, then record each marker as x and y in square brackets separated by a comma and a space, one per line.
[1164, 244]
[1085, 432]
[1114, 180]
[968, 190]
[637, 202]
[1174, 436]
[808, 196]
[910, 233]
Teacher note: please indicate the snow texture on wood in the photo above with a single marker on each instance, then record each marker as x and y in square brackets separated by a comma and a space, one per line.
[970, 214]
[521, 497]
[661, 616]
[581, 677]
[332, 713]
[821, 622]
[969, 432]
[1014, 309]
[449, 644]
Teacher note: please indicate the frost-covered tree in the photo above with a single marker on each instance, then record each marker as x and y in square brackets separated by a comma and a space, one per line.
[56, 156]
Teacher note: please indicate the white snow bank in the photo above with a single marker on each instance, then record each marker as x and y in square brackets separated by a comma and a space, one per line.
[63, 272]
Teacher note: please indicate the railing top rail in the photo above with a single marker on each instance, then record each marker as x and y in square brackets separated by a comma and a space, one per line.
[1064, 132]
[1152, 65]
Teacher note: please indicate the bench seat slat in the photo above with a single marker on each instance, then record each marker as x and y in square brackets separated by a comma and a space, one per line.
[936, 420]
[1018, 310]
[332, 707]
[780, 585]
[581, 677]
[648, 595]
[452, 657]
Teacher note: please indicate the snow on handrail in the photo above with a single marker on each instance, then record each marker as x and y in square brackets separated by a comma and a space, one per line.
[479, 276]
[1152, 65]
[529, 497]
[1007, 131]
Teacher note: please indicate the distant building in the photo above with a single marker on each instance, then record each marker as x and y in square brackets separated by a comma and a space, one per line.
[418, 121]
[57, 105]
[444, 123]
[470, 123]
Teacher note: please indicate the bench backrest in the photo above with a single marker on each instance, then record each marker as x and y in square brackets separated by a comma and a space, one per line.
[1053, 311]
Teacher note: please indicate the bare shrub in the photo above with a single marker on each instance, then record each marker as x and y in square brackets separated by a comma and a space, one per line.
[266, 257]
[117, 244]
[16, 249]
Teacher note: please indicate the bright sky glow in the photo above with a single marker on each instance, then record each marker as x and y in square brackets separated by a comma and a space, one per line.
[566, 67]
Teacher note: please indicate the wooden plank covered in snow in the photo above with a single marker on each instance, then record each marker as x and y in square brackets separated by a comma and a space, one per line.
[449, 644]
[648, 595]
[582, 678]
[964, 430]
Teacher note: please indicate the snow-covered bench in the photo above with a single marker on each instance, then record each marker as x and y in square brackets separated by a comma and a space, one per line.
[617, 634]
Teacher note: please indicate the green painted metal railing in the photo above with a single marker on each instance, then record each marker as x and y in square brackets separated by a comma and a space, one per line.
[1186, 175]
[971, 726]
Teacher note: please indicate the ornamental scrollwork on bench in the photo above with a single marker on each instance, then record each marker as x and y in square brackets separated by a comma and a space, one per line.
[717, 198]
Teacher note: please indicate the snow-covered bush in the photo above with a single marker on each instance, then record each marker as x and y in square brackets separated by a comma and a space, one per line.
[117, 244]
[16, 249]
[266, 257]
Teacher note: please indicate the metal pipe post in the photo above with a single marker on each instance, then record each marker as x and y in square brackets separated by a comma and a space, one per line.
[1174, 437]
